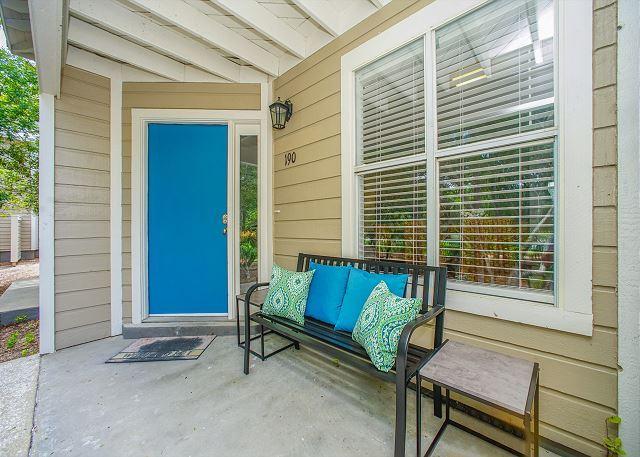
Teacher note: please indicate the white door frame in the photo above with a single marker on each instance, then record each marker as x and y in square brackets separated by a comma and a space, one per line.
[140, 118]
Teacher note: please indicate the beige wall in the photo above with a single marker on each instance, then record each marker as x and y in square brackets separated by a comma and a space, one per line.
[215, 96]
[5, 233]
[578, 377]
[25, 232]
[82, 299]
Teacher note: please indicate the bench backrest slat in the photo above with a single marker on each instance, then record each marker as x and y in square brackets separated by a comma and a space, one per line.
[434, 278]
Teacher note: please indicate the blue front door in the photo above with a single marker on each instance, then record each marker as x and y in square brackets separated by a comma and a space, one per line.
[187, 200]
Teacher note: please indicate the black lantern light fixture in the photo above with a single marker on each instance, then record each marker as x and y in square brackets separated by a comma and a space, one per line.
[280, 113]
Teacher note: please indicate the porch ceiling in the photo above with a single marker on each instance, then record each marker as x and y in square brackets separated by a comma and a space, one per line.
[195, 40]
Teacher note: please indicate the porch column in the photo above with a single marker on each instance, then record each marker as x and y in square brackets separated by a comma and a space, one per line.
[628, 222]
[46, 226]
[115, 172]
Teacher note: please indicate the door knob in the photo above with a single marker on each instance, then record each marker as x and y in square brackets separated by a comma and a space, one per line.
[225, 222]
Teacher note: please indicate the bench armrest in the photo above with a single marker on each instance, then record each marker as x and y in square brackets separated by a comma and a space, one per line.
[405, 336]
[247, 297]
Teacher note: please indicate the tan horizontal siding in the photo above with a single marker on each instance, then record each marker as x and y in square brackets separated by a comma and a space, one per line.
[578, 373]
[78, 335]
[25, 232]
[5, 233]
[82, 264]
[212, 96]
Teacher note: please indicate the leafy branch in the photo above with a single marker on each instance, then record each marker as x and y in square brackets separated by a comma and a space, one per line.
[613, 443]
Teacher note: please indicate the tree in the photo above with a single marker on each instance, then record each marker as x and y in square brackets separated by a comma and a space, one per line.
[18, 133]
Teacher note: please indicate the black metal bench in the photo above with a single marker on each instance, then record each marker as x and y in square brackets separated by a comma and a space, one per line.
[424, 281]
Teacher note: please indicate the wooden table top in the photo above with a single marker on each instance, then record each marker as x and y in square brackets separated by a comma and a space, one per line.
[257, 297]
[487, 376]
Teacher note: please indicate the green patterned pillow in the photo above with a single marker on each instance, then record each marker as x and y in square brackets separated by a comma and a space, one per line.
[380, 324]
[287, 296]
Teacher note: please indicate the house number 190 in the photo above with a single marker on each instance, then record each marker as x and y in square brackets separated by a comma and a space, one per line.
[289, 158]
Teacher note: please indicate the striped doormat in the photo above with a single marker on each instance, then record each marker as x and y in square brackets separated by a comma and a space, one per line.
[163, 348]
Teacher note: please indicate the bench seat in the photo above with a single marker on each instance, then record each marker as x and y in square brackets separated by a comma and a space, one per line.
[324, 334]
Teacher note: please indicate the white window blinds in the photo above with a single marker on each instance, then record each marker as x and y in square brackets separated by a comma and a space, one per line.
[494, 72]
[390, 106]
[393, 214]
[497, 217]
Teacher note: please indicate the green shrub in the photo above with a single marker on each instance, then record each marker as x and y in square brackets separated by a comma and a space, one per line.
[613, 443]
[12, 340]
[21, 318]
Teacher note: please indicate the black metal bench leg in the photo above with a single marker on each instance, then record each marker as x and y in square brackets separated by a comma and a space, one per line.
[418, 414]
[262, 341]
[238, 321]
[296, 345]
[247, 343]
[401, 412]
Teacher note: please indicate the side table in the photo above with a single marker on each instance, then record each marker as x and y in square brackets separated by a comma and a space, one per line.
[503, 382]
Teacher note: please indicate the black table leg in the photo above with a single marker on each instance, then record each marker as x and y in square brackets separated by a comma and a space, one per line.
[418, 413]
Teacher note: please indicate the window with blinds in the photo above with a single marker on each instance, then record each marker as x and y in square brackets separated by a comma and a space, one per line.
[497, 217]
[390, 125]
[390, 106]
[495, 79]
[494, 72]
[494, 87]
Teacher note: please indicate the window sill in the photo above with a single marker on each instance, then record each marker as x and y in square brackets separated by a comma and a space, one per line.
[520, 311]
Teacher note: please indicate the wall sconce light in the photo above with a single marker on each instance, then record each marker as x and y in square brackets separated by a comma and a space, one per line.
[280, 113]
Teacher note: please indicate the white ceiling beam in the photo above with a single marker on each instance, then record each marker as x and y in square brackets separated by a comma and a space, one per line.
[323, 13]
[265, 22]
[199, 24]
[93, 63]
[91, 37]
[121, 20]
[128, 73]
[379, 3]
[46, 24]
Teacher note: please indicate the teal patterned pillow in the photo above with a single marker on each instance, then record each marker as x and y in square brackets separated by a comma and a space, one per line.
[380, 324]
[287, 296]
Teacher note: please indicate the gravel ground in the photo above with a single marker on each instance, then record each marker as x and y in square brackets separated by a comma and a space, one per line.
[24, 270]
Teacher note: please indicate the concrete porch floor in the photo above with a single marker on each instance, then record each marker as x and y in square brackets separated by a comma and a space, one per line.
[294, 404]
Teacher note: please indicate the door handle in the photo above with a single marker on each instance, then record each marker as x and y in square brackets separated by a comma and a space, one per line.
[225, 222]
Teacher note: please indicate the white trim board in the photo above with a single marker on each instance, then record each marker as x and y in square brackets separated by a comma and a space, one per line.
[46, 197]
[47, 25]
[139, 120]
[265, 191]
[573, 312]
[628, 223]
[115, 197]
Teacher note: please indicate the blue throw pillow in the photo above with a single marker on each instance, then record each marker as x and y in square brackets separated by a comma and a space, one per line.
[360, 285]
[326, 292]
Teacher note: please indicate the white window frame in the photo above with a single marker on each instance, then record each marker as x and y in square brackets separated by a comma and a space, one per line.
[573, 311]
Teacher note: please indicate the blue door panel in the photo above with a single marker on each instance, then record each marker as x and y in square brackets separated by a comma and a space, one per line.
[187, 198]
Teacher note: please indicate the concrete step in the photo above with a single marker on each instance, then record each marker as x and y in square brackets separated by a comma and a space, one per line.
[20, 299]
[183, 328]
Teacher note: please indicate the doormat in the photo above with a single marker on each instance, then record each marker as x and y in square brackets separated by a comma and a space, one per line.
[163, 348]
